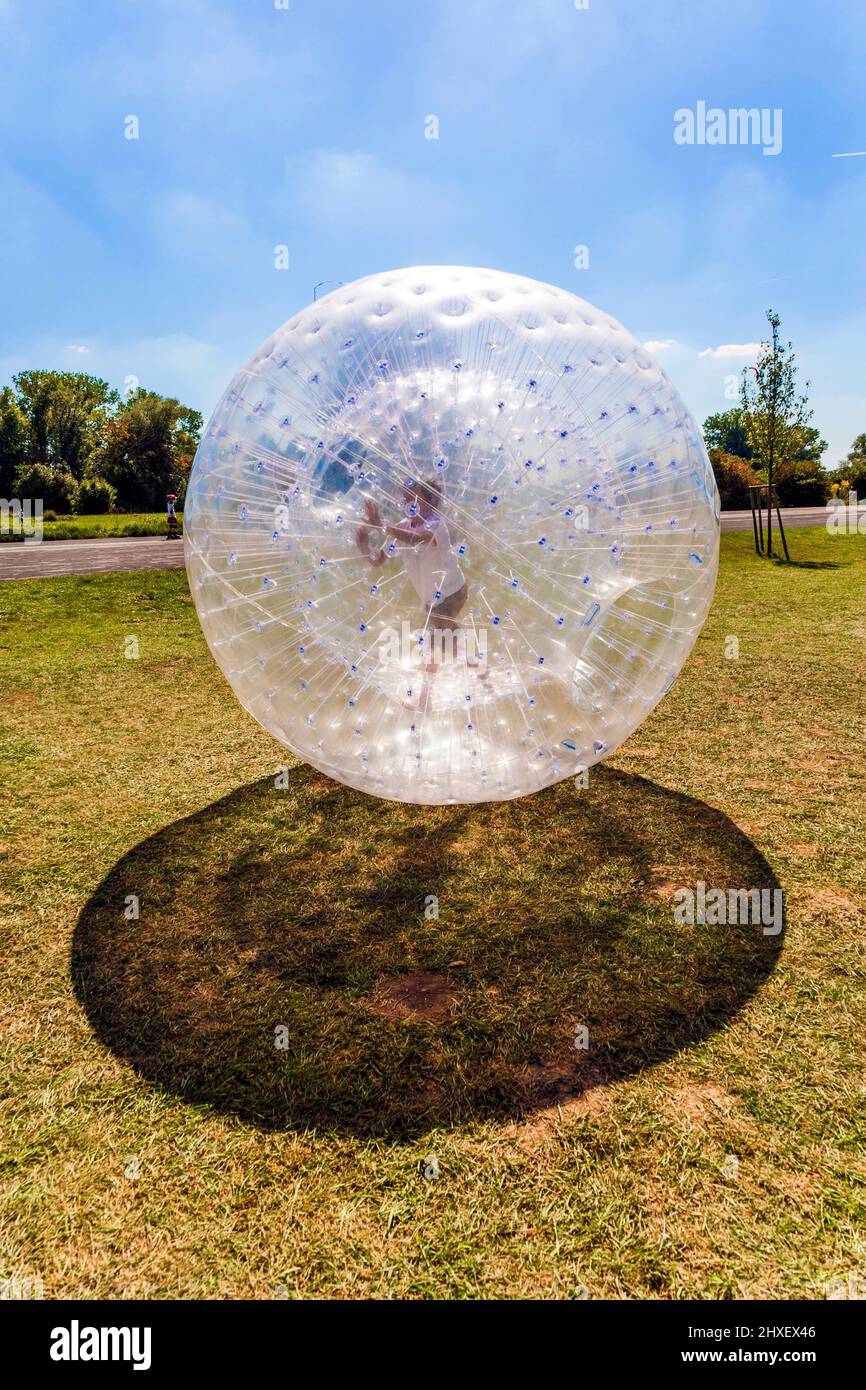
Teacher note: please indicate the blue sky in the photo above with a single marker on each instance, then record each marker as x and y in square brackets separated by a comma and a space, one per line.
[305, 127]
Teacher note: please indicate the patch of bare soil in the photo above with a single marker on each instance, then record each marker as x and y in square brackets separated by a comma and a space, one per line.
[417, 997]
[701, 1103]
[830, 902]
[668, 879]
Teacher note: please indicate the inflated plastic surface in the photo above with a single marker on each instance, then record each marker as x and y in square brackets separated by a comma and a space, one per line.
[567, 521]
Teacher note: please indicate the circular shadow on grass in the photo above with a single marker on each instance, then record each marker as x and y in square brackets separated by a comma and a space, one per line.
[288, 965]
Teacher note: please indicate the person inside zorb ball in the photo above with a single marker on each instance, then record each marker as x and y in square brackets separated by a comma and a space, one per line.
[451, 534]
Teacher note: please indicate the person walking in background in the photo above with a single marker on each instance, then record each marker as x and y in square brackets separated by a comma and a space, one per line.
[172, 516]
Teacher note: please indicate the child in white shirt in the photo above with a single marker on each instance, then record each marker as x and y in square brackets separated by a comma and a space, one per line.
[424, 546]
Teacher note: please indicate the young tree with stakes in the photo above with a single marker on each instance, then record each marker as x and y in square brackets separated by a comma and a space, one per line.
[776, 414]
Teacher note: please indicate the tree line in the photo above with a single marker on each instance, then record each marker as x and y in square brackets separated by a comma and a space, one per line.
[76, 443]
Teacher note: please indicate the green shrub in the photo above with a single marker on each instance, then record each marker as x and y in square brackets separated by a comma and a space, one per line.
[851, 477]
[93, 497]
[733, 476]
[52, 485]
[801, 483]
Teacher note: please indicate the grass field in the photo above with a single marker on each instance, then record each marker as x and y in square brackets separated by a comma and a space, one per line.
[70, 528]
[159, 1140]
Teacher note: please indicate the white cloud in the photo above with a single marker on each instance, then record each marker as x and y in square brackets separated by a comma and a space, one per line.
[732, 350]
[76, 347]
[660, 344]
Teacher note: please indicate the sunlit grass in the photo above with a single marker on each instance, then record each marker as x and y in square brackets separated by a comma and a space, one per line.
[68, 528]
[156, 1142]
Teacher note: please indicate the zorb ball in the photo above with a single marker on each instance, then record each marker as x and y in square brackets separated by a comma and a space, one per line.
[451, 534]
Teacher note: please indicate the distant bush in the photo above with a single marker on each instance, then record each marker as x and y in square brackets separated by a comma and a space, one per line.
[850, 476]
[801, 483]
[52, 485]
[798, 483]
[93, 497]
[49, 515]
[733, 477]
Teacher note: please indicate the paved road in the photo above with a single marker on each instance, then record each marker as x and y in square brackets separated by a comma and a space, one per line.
[106, 556]
[791, 516]
[19, 561]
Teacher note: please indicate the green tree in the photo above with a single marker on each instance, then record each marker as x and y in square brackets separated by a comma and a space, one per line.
[53, 486]
[13, 441]
[147, 449]
[727, 432]
[812, 446]
[66, 414]
[856, 456]
[777, 414]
